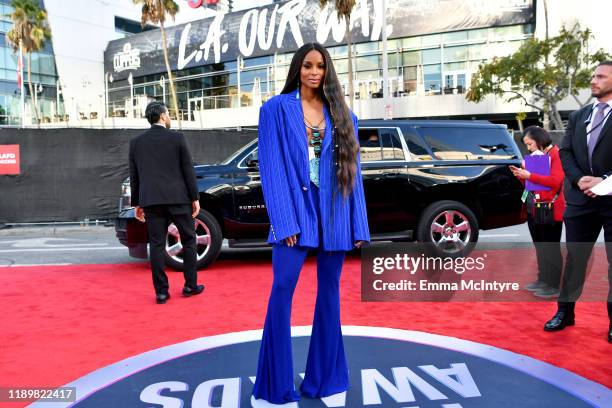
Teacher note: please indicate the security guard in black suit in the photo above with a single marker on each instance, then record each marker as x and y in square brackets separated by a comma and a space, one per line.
[164, 189]
[586, 155]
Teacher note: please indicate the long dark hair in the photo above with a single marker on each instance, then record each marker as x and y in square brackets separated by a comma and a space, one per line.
[333, 97]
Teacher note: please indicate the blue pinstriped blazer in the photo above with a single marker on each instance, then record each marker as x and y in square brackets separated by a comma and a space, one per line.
[285, 178]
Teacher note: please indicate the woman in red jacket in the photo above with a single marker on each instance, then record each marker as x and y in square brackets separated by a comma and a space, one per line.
[546, 236]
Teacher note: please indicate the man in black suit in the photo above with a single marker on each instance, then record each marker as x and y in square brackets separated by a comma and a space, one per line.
[164, 189]
[586, 154]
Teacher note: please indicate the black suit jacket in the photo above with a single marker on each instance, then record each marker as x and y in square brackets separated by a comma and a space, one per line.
[575, 159]
[161, 169]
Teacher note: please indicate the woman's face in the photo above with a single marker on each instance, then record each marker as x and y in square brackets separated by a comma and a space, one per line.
[312, 73]
[530, 144]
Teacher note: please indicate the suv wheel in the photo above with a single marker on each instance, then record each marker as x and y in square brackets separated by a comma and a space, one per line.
[208, 238]
[450, 227]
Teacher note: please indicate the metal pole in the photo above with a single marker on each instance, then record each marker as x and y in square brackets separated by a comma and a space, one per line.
[106, 108]
[238, 79]
[385, 61]
[57, 98]
[22, 86]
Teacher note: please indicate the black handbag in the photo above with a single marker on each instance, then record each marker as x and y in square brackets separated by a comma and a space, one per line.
[541, 212]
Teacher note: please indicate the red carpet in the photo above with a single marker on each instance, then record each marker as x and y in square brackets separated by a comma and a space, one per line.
[63, 322]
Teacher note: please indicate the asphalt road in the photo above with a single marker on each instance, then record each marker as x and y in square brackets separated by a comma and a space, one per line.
[53, 245]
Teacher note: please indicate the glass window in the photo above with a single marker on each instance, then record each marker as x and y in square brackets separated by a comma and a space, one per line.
[10, 60]
[431, 56]
[410, 73]
[507, 32]
[458, 36]
[432, 78]
[416, 145]
[367, 63]
[252, 62]
[48, 80]
[47, 64]
[456, 53]
[369, 145]
[394, 59]
[367, 74]
[429, 40]
[411, 42]
[341, 65]
[527, 29]
[452, 143]
[12, 76]
[340, 51]
[411, 57]
[391, 45]
[455, 66]
[366, 47]
[477, 51]
[380, 144]
[480, 34]
[391, 145]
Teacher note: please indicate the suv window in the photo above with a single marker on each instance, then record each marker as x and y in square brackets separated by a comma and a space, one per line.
[416, 145]
[464, 143]
[380, 144]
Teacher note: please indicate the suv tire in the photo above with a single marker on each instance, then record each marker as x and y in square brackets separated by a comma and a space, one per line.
[449, 227]
[209, 239]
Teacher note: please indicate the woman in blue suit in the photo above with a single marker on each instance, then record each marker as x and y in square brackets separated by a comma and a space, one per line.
[311, 179]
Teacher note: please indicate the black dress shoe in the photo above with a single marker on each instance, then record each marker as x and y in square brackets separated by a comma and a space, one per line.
[161, 298]
[559, 321]
[187, 291]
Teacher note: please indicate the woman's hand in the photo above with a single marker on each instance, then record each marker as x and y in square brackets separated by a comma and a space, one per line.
[291, 241]
[520, 173]
[359, 244]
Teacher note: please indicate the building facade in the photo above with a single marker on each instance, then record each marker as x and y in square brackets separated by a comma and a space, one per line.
[101, 68]
[226, 66]
[43, 76]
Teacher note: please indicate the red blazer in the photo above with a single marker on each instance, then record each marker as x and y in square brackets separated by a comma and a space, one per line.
[554, 181]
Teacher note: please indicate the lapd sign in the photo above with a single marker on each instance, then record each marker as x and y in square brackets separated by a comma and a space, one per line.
[283, 27]
[387, 368]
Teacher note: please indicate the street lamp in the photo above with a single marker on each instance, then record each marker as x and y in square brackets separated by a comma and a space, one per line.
[108, 77]
[58, 92]
[162, 83]
[131, 82]
[38, 88]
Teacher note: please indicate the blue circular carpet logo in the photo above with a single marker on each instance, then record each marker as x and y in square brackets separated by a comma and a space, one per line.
[388, 368]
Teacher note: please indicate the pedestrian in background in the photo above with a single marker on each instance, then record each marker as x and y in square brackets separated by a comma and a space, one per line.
[164, 190]
[546, 226]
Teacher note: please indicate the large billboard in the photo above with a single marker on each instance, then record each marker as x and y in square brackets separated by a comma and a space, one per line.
[283, 27]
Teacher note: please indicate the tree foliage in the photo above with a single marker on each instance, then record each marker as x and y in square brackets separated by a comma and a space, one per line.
[156, 12]
[30, 31]
[344, 8]
[541, 73]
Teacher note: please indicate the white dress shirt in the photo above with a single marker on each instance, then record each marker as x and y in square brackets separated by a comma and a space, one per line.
[594, 111]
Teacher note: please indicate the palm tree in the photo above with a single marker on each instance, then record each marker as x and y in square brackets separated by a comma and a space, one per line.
[155, 11]
[29, 32]
[344, 8]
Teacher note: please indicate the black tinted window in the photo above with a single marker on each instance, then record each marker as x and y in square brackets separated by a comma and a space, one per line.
[468, 143]
[380, 144]
[416, 145]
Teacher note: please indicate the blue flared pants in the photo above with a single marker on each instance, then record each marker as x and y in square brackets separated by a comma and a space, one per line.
[326, 368]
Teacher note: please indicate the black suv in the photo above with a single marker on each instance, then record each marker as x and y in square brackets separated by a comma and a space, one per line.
[436, 182]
